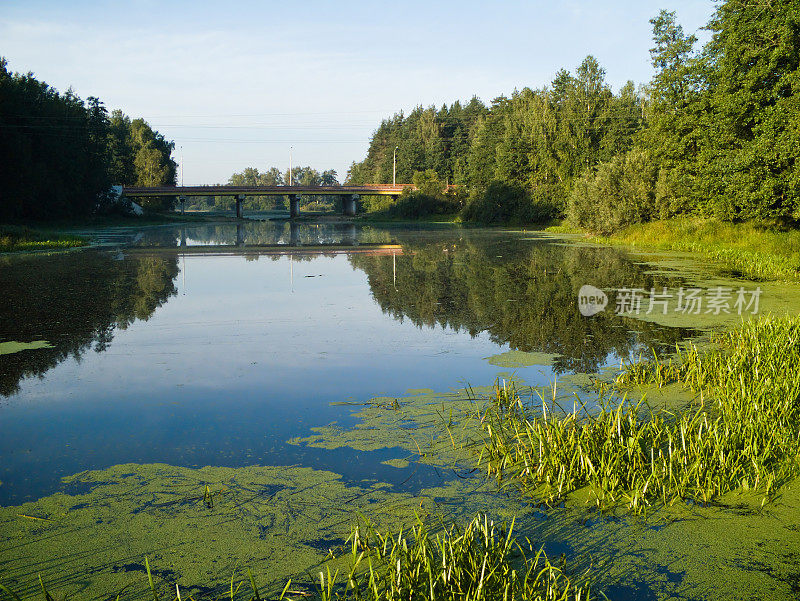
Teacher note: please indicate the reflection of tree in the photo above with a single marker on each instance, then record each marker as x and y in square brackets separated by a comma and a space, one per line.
[526, 297]
[74, 301]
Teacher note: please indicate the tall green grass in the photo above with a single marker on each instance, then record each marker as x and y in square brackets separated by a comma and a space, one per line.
[481, 562]
[751, 249]
[743, 434]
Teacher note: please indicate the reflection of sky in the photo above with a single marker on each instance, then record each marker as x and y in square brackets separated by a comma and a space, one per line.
[240, 360]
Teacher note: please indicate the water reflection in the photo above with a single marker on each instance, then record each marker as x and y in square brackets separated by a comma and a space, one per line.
[261, 233]
[74, 301]
[524, 293]
[226, 363]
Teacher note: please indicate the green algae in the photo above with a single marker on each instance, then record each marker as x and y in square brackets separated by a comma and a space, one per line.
[6, 348]
[515, 358]
[279, 521]
[728, 551]
[436, 428]
[397, 462]
[733, 551]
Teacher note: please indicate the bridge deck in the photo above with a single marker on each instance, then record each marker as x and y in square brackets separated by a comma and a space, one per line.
[367, 189]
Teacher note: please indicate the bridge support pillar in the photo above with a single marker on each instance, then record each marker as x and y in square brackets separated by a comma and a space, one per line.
[239, 198]
[349, 204]
[294, 234]
[182, 200]
[239, 235]
[294, 206]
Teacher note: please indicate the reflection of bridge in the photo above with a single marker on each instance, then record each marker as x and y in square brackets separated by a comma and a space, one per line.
[346, 241]
[348, 194]
[262, 237]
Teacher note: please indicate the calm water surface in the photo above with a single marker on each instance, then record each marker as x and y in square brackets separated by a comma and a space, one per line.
[172, 359]
[164, 354]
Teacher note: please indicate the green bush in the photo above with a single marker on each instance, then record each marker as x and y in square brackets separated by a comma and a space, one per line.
[618, 193]
[416, 204]
[430, 198]
[503, 202]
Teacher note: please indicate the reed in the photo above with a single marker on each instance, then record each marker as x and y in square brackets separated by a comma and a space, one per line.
[744, 433]
[480, 561]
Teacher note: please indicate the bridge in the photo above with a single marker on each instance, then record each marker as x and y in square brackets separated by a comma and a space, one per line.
[348, 194]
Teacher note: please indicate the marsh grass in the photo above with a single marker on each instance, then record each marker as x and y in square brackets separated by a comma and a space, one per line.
[743, 433]
[480, 561]
[14, 237]
[753, 250]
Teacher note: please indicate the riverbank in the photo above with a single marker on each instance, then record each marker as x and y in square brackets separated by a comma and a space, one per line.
[18, 238]
[749, 250]
[64, 234]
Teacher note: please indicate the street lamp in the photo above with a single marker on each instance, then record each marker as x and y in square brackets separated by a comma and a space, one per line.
[394, 167]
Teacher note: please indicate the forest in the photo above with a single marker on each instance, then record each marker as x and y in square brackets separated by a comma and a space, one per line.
[59, 154]
[715, 133]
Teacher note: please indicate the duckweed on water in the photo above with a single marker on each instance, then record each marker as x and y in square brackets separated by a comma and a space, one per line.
[514, 358]
[743, 435]
[479, 562]
[200, 525]
[6, 348]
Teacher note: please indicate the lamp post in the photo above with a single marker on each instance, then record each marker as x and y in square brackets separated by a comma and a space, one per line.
[289, 183]
[394, 166]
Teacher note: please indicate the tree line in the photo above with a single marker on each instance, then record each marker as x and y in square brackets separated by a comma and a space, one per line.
[716, 132]
[59, 154]
[251, 176]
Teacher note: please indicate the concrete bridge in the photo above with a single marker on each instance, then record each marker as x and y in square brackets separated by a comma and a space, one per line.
[348, 194]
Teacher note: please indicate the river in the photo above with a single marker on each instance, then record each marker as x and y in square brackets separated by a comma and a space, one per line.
[259, 361]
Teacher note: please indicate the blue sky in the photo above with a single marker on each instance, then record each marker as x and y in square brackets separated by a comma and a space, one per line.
[235, 84]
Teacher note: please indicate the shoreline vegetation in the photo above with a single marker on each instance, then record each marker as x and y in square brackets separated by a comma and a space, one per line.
[740, 433]
[23, 238]
[751, 250]
[713, 135]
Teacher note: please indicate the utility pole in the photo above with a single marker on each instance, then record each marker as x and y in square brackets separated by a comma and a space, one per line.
[289, 183]
[394, 167]
[181, 166]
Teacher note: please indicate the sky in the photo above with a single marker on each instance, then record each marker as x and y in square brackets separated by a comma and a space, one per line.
[243, 84]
